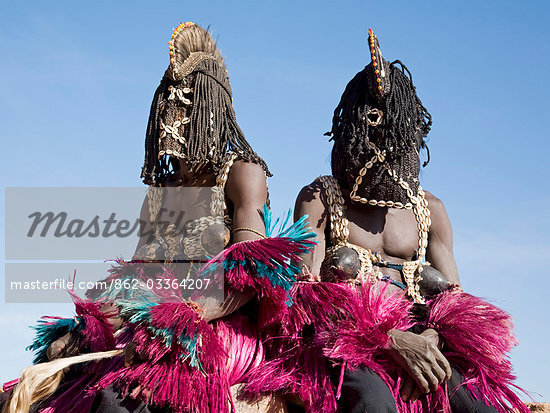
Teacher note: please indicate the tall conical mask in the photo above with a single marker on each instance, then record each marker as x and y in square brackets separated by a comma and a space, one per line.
[379, 73]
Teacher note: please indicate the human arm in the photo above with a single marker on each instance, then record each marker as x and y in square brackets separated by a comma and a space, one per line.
[309, 202]
[421, 358]
[440, 241]
[419, 354]
[246, 189]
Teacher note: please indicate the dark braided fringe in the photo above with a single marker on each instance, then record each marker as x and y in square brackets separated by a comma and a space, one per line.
[405, 124]
[150, 164]
[213, 131]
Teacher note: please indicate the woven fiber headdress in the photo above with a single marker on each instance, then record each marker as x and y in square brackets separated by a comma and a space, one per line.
[192, 115]
[379, 109]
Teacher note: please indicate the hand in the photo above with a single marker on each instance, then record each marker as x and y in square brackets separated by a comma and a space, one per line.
[131, 355]
[408, 388]
[111, 311]
[431, 335]
[64, 346]
[420, 357]
[69, 344]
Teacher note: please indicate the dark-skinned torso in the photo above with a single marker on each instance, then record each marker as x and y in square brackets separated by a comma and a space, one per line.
[246, 194]
[391, 232]
[245, 190]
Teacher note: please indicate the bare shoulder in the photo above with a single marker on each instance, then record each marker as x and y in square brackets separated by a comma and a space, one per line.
[440, 240]
[311, 201]
[438, 214]
[242, 171]
[311, 193]
[435, 205]
[246, 180]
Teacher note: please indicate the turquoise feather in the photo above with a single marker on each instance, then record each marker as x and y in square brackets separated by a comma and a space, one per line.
[49, 331]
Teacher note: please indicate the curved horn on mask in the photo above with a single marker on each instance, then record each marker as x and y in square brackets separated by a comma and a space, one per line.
[379, 84]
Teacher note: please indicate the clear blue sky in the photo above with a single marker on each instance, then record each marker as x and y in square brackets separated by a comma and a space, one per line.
[77, 79]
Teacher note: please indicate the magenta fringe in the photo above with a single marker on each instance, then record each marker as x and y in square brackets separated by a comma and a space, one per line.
[136, 271]
[351, 328]
[7, 386]
[319, 305]
[296, 366]
[478, 337]
[299, 371]
[98, 332]
[191, 364]
[264, 265]
[242, 344]
[360, 340]
[172, 375]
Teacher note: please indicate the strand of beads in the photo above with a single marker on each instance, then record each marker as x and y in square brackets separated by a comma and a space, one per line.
[423, 222]
[194, 229]
[421, 212]
[218, 205]
[373, 57]
[379, 156]
[171, 45]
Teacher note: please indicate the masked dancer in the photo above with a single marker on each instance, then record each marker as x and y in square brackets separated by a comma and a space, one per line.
[379, 321]
[155, 350]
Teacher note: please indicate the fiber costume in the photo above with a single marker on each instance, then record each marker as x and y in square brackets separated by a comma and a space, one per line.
[182, 363]
[346, 312]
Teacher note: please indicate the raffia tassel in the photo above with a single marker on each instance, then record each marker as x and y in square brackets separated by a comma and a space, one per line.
[470, 326]
[298, 368]
[183, 359]
[265, 265]
[92, 324]
[359, 338]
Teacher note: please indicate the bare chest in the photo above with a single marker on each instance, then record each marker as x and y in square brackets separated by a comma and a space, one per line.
[391, 232]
